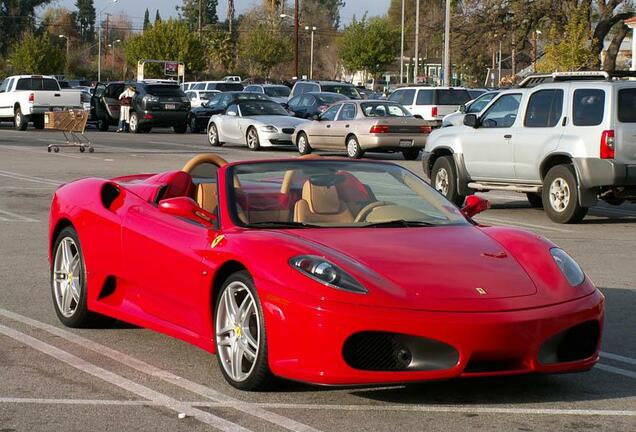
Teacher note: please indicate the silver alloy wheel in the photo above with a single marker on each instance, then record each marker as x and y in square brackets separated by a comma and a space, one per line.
[302, 144]
[212, 135]
[441, 181]
[352, 147]
[252, 138]
[559, 194]
[18, 118]
[238, 330]
[132, 123]
[67, 277]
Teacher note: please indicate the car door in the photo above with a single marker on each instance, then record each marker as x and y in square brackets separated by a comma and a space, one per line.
[540, 132]
[342, 126]
[321, 131]
[230, 125]
[488, 149]
[293, 105]
[162, 265]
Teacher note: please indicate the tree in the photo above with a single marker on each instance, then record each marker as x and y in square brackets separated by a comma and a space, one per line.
[332, 9]
[570, 48]
[189, 11]
[157, 17]
[85, 18]
[146, 19]
[15, 18]
[369, 45]
[263, 46]
[220, 49]
[36, 55]
[168, 40]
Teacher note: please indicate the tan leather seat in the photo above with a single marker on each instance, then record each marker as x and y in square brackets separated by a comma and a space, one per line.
[207, 197]
[321, 204]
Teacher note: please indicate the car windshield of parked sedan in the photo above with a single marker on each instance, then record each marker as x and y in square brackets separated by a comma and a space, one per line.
[257, 107]
[328, 99]
[335, 193]
[278, 91]
[207, 95]
[384, 109]
[347, 90]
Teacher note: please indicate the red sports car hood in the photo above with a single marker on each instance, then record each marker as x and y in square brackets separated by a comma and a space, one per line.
[433, 264]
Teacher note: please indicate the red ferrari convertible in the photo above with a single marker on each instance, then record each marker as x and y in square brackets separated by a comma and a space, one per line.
[320, 270]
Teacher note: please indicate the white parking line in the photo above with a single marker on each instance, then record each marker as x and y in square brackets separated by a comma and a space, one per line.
[164, 375]
[619, 358]
[121, 382]
[61, 154]
[521, 224]
[15, 217]
[11, 400]
[616, 370]
[28, 178]
[175, 144]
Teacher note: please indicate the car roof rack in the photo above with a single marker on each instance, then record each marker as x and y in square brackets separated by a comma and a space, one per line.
[535, 80]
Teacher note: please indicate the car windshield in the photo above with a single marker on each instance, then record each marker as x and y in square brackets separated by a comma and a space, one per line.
[252, 96]
[227, 86]
[326, 99]
[384, 109]
[335, 193]
[278, 91]
[165, 90]
[257, 107]
[207, 95]
[343, 89]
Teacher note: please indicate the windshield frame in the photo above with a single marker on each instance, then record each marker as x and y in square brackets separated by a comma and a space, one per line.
[240, 104]
[230, 205]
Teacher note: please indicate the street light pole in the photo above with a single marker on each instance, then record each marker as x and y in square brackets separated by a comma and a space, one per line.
[67, 42]
[447, 60]
[296, 38]
[417, 40]
[113, 53]
[311, 52]
[99, 41]
[402, 48]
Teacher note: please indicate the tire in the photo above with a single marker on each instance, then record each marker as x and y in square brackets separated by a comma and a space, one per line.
[76, 314]
[535, 199]
[193, 125]
[253, 142]
[354, 150]
[247, 334]
[21, 121]
[411, 154]
[213, 136]
[444, 179]
[103, 125]
[561, 196]
[133, 123]
[302, 142]
[181, 129]
[38, 121]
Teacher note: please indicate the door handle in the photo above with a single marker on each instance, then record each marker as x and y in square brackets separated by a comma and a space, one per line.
[508, 136]
[346, 126]
[565, 121]
[328, 126]
[56, 95]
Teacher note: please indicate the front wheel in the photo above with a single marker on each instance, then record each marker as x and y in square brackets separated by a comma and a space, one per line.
[303, 144]
[253, 142]
[194, 128]
[240, 337]
[444, 179]
[354, 150]
[561, 196]
[180, 129]
[133, 123]
[213, 136]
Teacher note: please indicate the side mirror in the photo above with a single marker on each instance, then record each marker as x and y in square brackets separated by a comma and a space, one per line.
[204, 104]
[471, 120]
[187, 208]
[462, 108]
[474, 205]
[315, 117]
[417, 116]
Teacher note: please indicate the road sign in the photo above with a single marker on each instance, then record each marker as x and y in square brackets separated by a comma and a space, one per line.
[171, 68]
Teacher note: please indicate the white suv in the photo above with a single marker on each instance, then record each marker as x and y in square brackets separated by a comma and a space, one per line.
[566, 143]
[432, 103]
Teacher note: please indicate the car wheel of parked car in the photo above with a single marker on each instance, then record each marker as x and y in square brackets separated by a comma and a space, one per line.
[21, 122]
[561, 197]
[103, 125]
[303, 144]
[353, 148]
[253, 143]
[411, 154]
[38, 121]
[193, 125]
[240, 337]
[133, 123]
[213, 136]
[535, 199]
[181, 129]
[444, 179]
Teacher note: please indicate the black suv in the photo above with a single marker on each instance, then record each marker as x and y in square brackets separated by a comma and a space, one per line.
[154, 104]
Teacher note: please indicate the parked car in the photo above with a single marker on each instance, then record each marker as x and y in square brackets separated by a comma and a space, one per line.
[222, 86]
[25, 98]
[471, 107]
[197, 97]
[432, 103]
[154, 104]
[475, 92]
[311, 104]
[278, 93]
[256, 123]
[359, 126]
[200, 116]
[305, 86]
[565, 144]
[232, 78]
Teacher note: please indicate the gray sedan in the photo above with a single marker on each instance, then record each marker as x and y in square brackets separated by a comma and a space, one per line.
[256, 123]
[359, 126]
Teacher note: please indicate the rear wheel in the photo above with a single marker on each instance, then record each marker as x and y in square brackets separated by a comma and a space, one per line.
[303, 144]
[535, 199]
[444, 179]
[411, 154]
[133, 123]
[354, 150]
[21, 121]
[241, 344]
[181, 129]
[38, 121]
[253, 142]
[561, 196]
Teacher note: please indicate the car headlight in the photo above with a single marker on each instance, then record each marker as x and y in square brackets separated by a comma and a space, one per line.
[269, 128]
[321, 270]
[570, 269]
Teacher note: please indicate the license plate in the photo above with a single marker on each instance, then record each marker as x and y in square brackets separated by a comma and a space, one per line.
[406, 143]
[171, 106]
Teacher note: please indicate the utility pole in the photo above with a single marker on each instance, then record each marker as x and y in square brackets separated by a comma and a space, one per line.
[402, 48]
[447, 60]
[296, 38]
[499, 72]
[311, 55]
[107, 22]
[99, 40]
[417, 40]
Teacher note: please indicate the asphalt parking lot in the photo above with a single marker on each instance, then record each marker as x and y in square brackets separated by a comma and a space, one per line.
[125, 378]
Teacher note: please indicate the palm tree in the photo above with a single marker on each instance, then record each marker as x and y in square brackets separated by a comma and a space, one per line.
[230, 14]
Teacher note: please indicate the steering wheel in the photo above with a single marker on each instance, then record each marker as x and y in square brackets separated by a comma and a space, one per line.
[209, 158]
[366, 210]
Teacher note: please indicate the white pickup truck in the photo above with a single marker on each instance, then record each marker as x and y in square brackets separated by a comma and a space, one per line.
[25, 98]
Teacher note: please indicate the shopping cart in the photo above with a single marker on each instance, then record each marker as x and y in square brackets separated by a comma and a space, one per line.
[72, 124]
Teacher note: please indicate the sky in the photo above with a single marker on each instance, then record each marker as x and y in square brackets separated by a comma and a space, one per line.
[136, 8]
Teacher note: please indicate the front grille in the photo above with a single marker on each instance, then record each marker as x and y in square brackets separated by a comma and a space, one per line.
[576, 343]
[280, 142]
[288, 131]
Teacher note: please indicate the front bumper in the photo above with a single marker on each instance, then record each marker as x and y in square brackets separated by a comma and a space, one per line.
[271, 139]
[392, 141]
[163, 118]
[595, 172]
[306, 339]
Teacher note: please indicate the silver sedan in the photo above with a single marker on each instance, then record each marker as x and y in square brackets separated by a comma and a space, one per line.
[256, 123]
